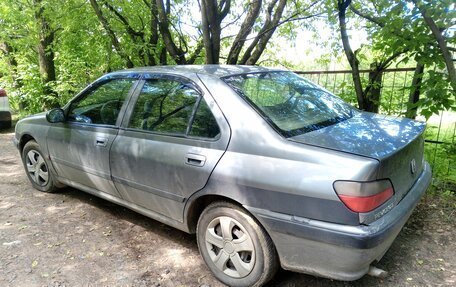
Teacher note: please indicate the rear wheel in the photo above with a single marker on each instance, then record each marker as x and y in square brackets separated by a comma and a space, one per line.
[235, 247]
[37, 168]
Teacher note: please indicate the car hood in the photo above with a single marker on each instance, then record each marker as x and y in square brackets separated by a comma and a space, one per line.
[367, 134]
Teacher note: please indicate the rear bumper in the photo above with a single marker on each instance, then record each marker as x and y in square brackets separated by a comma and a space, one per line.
[337, 251]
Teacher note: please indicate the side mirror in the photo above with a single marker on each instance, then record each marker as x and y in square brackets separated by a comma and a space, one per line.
[55, 115]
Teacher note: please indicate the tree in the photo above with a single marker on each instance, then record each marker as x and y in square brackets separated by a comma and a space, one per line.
[368, 97]
[50, 51]
[262, 19]
[254, 9]
[342, 6]
[8, 53]
[274, 14]
[212, 15]
[46, 53]
[115, 42]
[398, 34]
[414, 96]
[144, 33]
[438, 34]
[178, 53]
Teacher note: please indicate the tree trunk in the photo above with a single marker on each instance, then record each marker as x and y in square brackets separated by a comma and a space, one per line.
[244, 31]
[46, 55]
[263, 30]
[415, 90]
[447, 57]
[372, 97]
[46, 39]
[351, 57]
[207, 13]
[176, 53]
[267, 34]
[163, 58]
[212, 15]
[154, 36]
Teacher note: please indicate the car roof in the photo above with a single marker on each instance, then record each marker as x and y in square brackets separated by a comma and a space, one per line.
[218, 71]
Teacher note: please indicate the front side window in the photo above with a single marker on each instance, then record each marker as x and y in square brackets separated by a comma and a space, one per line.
[290, 103]
[171, 107]
[102, 104]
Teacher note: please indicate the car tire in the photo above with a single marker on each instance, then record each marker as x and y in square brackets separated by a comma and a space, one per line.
[235, 247]
[37, 168]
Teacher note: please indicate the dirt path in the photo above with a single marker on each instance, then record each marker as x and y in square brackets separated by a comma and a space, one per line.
[74, 239]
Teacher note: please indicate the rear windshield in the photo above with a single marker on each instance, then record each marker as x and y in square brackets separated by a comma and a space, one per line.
[290, 103]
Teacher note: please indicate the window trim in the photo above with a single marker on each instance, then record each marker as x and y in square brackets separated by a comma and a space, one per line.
[193, 115]
[135, 97]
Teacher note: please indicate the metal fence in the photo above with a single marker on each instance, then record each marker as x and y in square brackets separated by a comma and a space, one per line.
[440, 135]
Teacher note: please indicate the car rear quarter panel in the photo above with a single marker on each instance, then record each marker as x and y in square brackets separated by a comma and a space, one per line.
[263, 170]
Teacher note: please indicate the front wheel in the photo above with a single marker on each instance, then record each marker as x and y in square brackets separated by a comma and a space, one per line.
[235, 247]
[37, 168]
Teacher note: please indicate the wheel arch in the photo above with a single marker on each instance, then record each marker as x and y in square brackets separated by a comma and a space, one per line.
[197, 204]
[25, 138]
[199, 201]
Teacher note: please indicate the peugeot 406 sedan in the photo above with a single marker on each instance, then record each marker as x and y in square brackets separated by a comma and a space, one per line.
[267, 168]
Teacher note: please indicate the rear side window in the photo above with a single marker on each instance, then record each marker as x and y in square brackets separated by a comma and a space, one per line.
[168, 106]
[204, 124]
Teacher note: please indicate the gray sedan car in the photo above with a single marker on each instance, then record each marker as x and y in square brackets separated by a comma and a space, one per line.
[267, 168]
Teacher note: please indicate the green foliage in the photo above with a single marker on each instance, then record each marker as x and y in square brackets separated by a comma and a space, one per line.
[441, 152]
[84, 51]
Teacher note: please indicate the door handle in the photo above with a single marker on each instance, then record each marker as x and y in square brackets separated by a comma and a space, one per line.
[100, 141]
[195, 159]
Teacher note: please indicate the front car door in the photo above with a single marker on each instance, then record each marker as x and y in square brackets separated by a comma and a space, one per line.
[168, 145]
[79, 147]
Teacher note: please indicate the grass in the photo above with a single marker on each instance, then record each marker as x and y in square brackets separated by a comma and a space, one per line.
[441, 152]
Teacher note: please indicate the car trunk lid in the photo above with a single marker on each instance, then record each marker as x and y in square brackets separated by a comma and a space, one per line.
[397, 143]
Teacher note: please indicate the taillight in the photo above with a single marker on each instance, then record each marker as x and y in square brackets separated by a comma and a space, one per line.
[364, 196]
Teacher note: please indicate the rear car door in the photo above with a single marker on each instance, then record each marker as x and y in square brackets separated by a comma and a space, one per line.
[79, 147]
[168, 145]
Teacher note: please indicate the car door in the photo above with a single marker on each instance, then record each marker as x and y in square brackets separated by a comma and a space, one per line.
[168, 145]
[79, 147]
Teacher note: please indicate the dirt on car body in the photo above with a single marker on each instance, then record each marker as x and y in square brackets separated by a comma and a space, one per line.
[74, 239]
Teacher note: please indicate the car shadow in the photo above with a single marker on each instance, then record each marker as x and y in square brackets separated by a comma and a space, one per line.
[123, 213]
[396, 253]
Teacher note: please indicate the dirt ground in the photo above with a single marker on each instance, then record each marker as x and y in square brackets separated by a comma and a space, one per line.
[74, 239]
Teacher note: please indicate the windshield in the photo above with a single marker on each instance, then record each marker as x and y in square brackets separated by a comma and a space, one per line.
[290, 103]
